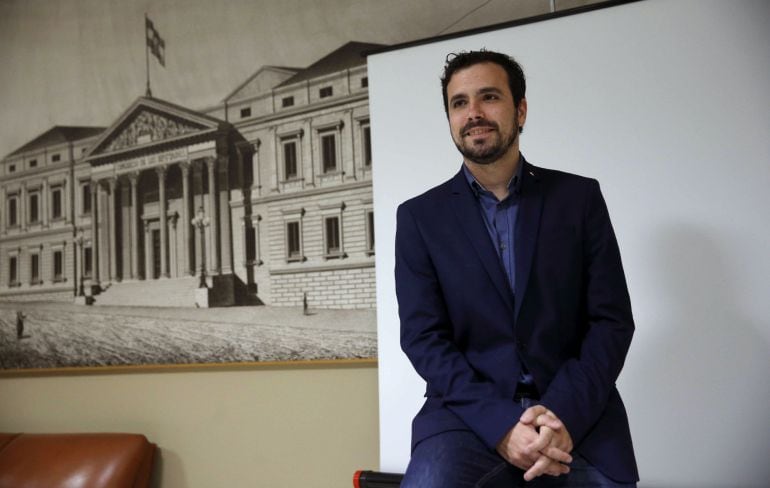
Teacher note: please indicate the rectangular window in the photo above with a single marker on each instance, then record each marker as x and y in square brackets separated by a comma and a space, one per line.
[13, 273]
[34, 269]
[332, 237]
[370, 232]
[56, 203]
[58, 266]
[325, 92]
[367, 133]
[85, 198]
[365, 82]
[293, 242]
[33, 163]
[34, 211]
[56, 158]
[329, 153]
[11, 168]
[86, 262]
[287, 102]
[289, 160]
[13, 212]
[245, 112]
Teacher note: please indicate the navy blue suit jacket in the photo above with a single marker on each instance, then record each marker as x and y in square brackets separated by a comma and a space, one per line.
[570, 321]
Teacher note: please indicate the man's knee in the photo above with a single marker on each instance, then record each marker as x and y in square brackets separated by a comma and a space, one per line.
[456, 459]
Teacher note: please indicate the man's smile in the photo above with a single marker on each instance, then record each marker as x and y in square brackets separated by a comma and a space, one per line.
[478, 131]
[478, 128]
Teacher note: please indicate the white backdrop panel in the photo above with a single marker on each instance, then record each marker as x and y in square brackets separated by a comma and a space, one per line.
[666, 103]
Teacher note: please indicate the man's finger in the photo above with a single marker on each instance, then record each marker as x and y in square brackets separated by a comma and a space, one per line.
[550, 420]
[532, 413]
[543, 440]
[557, 454]
[557, 469]
[540, 467]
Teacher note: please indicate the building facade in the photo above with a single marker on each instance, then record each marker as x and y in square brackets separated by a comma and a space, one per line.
[267, 198]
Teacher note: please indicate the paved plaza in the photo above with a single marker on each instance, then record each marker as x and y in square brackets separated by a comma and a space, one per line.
[64, 335]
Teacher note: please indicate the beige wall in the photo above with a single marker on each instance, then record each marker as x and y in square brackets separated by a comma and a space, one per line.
[296, 426]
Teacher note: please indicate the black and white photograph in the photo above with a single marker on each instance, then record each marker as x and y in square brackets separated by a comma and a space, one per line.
[184, 184]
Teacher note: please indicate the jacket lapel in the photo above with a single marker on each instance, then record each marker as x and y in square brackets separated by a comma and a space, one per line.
[527, 225]
[471, 222]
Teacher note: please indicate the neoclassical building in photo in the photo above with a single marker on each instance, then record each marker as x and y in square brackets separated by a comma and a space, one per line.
[265, 198]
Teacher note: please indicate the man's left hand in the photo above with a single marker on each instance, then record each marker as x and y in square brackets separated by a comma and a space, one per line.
[553, 438]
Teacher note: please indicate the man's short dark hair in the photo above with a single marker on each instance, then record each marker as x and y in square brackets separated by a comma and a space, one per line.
[466, 59]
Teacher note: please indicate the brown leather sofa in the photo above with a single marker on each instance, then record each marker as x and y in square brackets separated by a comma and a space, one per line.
[75, 460]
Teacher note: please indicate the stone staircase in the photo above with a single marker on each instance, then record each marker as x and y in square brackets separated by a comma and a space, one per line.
[164, 292]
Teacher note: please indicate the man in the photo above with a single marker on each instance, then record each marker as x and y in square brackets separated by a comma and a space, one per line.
[513, 307]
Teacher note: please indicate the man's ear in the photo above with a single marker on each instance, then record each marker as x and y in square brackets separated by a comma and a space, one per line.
[521, 113]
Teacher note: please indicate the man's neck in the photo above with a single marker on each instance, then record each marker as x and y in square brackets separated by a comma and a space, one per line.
[496, 176]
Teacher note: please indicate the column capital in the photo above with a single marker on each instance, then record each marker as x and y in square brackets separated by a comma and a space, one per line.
[161, 170]
[112, 182]
[210, 161]
[133, 177]
[185, 167]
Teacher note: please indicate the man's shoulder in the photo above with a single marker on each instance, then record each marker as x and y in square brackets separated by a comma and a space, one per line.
[557, 175]
[433, 196]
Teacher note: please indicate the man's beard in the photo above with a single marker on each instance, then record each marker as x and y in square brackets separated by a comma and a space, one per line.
[486, 154]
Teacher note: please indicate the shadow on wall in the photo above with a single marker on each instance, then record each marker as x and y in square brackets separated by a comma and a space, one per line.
[701, 387]
[168, 466]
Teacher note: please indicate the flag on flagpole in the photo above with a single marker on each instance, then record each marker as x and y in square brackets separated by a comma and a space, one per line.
[155, 43]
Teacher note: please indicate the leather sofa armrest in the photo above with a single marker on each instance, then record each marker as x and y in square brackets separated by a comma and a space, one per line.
[93, 460]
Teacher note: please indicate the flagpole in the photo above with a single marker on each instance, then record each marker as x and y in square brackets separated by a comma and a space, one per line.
[147, 56]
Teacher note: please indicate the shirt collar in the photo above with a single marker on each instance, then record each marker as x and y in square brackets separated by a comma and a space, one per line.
[514, 186]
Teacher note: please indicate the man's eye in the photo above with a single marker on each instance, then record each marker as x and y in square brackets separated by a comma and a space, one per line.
[458, 103]
[490, 96]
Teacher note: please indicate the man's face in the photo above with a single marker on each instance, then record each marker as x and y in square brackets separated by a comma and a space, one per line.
[482, 117]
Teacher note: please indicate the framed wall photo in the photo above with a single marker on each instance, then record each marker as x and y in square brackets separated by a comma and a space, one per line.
[182, 186]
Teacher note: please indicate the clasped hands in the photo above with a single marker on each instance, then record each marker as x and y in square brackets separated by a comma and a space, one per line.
[538, 444]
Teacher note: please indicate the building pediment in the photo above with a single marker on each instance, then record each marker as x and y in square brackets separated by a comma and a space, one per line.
[147, 126]
[153, 125]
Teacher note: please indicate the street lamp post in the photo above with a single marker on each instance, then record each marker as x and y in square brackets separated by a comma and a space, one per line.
[200, 221]
[79, 241]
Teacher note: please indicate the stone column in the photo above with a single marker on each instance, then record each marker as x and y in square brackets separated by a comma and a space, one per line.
[23, 209]
[4, 212]
[112, 230]
[350, 171]
[148, 257]
[308, 172]
[94, 232]
[275, 177]
[44, 200]
[225, 240]
[68, 207]
[186, 202]
[163, 222]
[173, 240]
[255, 168]
[211, 163]
[78, 255]
[133, 178]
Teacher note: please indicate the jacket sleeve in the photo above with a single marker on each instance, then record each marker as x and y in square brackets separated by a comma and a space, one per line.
[579, 391]
[427, 340]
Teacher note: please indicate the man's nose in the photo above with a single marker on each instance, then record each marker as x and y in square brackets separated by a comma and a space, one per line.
[474, 111]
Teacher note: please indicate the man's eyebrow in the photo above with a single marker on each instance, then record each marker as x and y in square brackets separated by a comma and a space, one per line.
[489, 89]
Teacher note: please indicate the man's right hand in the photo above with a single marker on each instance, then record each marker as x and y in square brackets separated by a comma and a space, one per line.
[514, 449]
